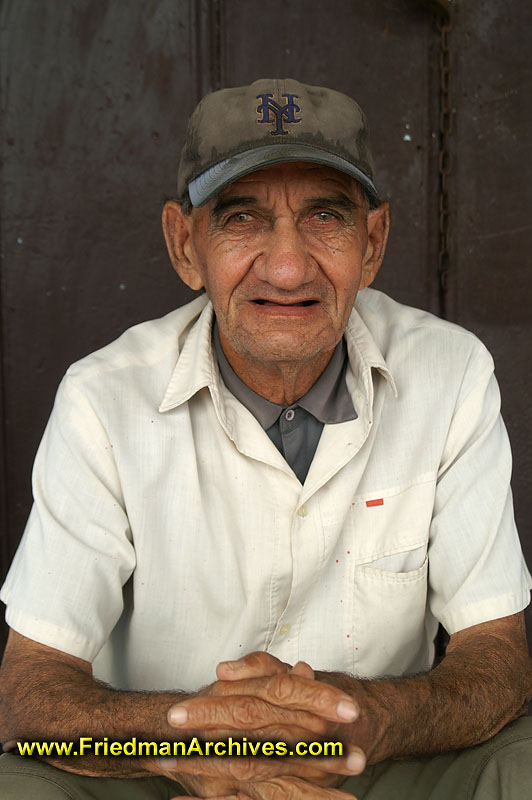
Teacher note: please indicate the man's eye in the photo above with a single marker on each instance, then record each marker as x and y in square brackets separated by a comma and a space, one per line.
[240, 216]
[325, 216]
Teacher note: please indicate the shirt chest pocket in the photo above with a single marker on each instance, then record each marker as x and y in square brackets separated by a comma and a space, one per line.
[387, 534]
[388, 531]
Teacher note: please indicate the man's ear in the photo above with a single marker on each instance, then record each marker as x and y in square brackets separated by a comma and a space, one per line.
[177, 229]
[378, 228]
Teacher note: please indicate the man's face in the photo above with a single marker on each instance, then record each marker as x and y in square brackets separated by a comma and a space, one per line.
[282, 253]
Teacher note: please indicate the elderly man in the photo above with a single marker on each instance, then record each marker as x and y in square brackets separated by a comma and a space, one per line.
[252, 515]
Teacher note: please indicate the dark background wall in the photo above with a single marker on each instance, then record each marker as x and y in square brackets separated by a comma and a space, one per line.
[94, 99]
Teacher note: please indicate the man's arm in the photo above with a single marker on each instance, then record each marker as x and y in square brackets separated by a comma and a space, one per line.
[49, 695]
[483, 682]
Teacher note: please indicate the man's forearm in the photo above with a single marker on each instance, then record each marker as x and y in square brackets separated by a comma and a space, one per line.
[478, 688]
[51, 701]
[48, 695]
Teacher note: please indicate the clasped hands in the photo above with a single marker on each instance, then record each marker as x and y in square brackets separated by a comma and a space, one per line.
[262, 698]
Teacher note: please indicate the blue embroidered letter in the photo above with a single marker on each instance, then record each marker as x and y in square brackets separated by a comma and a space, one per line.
[281, 113]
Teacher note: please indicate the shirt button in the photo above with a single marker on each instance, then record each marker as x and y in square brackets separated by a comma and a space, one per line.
[302, 512]
[290, 414]
[284, 629]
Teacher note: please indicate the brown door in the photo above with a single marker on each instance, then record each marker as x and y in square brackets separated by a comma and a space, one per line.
[95, 97]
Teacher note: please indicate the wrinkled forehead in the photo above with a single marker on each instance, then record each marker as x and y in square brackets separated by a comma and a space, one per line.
[296, 177]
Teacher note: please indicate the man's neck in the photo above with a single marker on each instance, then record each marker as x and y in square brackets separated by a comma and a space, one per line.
[283, 382]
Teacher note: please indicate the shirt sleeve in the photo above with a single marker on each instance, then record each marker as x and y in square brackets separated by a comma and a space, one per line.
[476, 567]
[64, 588]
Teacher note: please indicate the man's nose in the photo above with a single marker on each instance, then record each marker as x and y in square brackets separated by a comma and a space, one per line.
[285, 261]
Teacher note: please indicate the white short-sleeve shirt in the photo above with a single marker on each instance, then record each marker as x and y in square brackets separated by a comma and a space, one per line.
[168, 533]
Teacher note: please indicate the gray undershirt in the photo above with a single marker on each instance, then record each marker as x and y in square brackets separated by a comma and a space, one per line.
[295, 430]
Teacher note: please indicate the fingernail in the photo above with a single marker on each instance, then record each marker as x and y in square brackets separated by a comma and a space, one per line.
[167, 763]
[347, 710]
[177, 715]
[234, 665]
[355, 762]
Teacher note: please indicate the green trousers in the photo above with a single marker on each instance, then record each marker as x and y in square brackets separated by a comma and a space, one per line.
[500, 769]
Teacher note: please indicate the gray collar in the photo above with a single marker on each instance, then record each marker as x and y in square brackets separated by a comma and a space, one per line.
[328, 399]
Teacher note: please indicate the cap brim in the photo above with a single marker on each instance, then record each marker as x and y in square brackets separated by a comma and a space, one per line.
[213, 180]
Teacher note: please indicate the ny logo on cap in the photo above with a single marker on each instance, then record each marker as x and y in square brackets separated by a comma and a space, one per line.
[281, 113]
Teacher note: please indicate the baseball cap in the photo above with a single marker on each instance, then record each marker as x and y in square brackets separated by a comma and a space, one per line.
[233, 132]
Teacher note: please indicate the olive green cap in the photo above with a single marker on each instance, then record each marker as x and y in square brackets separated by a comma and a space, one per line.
[233, 132]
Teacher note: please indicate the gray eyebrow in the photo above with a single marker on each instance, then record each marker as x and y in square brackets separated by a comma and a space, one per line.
[223, 203]
[239, 201]
[341, 201]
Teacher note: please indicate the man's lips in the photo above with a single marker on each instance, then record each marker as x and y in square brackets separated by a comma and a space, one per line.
[301, 303]
[297, 307]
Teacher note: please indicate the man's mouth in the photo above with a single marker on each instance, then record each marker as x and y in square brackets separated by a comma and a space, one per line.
[301, 303]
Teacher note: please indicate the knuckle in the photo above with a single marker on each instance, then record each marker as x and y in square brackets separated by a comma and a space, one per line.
[278, 733]
[262, 662]
[213, 690]
[257, 659]
[281, 688]
[283, 789]
[246, 711]
[242, 770]
[272, 790]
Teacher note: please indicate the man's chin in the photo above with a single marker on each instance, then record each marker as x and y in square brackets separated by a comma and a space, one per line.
[273, 341]
[275, 348]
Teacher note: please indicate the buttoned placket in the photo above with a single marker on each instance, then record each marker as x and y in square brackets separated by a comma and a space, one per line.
[295, 427]
[338, 444]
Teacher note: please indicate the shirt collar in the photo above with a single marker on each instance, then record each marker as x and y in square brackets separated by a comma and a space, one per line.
[197, 367]
[364, 355]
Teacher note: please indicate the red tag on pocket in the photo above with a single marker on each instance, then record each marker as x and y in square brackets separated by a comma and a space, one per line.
[379, 502]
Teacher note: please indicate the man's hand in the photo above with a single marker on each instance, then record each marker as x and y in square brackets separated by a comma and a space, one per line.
[258, 693]
[273, 789]
[483, 682]
[262, 698]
